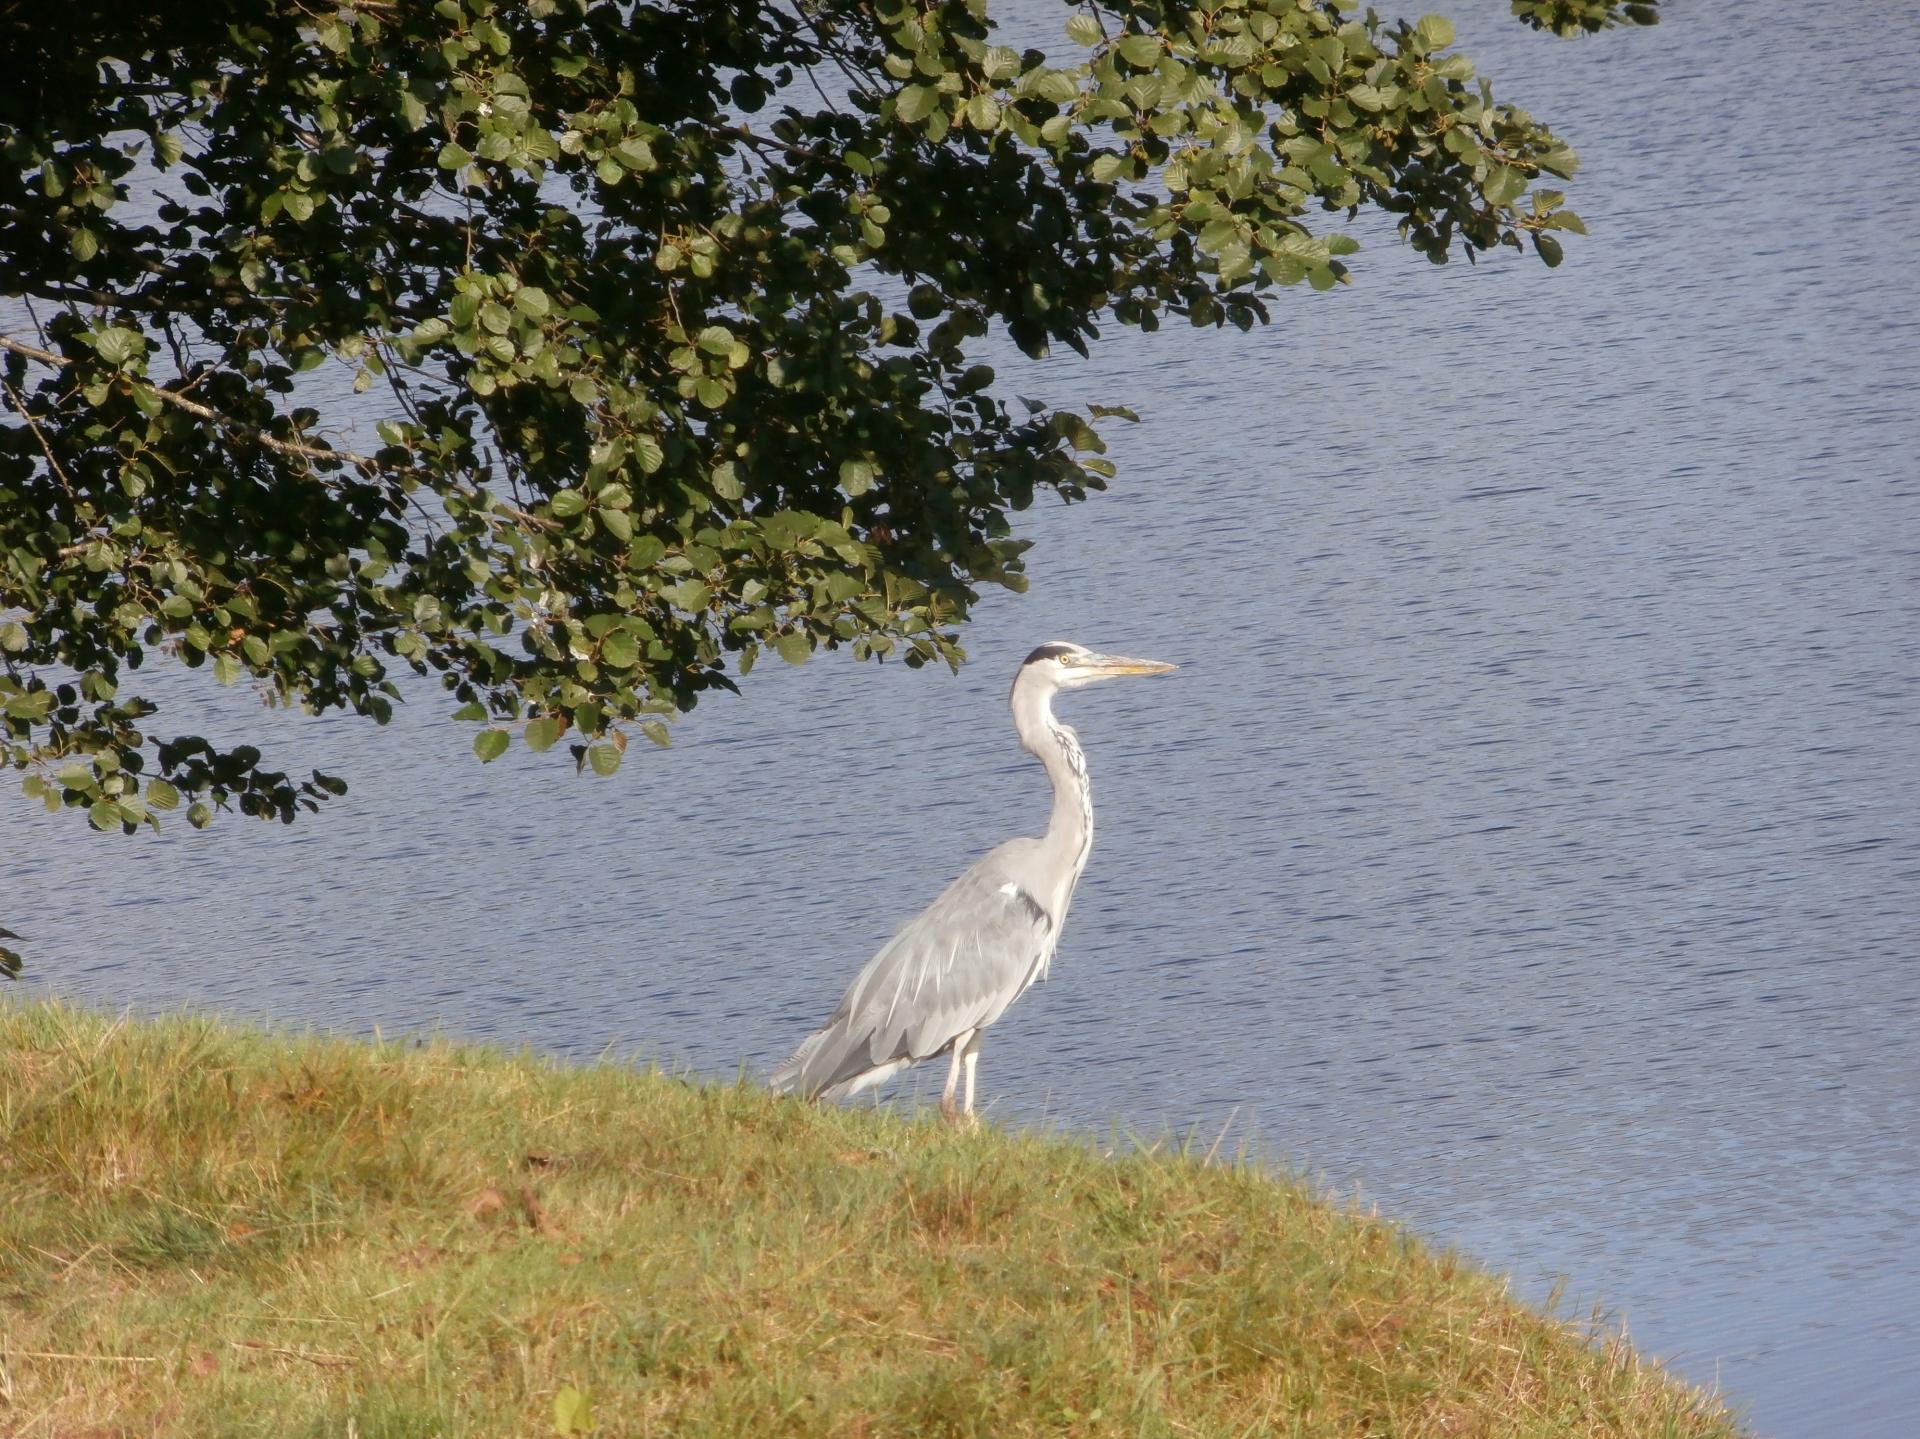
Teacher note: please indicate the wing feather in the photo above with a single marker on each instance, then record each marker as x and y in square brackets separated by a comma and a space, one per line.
[952, 969]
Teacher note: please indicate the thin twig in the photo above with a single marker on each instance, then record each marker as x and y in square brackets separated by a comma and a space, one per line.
[366, 463]
[312, 1356]
[752, 137]
[195, 408]
[19, 404]
[82, 1358]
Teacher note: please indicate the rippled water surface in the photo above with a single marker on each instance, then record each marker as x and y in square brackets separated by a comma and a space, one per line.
[1527, 840]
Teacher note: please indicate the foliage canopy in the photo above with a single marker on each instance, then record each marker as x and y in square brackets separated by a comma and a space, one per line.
[668, 314]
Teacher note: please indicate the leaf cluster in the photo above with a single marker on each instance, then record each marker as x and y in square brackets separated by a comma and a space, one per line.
[665, 323]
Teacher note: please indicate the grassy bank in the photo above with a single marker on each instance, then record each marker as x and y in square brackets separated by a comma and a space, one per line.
[206, 1231]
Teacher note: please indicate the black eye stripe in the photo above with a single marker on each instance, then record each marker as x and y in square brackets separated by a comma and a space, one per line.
[1051, 652]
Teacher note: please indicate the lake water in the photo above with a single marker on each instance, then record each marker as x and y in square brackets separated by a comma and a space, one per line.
[1527, 842]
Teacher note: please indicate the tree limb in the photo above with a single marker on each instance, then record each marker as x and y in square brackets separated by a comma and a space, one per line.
[179, 401]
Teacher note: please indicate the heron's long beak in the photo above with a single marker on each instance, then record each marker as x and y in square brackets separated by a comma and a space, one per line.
[1121, 665]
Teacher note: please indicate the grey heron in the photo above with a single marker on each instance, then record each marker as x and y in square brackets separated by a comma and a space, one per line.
[950, 972]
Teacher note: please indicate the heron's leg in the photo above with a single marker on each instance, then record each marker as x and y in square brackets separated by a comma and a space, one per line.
[947, 1110]
[968, 1055]
[973, 1058]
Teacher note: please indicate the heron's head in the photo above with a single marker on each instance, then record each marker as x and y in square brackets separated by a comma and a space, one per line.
[1064, 666]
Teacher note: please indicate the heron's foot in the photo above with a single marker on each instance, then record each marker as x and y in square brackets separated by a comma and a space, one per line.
[959, 1118]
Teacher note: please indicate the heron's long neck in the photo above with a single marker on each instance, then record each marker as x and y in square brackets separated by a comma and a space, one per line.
[1069, 836]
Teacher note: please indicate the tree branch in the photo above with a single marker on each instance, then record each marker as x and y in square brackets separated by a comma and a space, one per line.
[193, 407]
[26, 414]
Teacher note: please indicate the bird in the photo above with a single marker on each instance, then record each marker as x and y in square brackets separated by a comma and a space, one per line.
[950, 972]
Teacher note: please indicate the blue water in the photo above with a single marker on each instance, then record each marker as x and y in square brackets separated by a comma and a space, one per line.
[1527, 841]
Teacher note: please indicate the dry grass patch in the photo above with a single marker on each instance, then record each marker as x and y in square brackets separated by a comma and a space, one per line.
[210, 1231]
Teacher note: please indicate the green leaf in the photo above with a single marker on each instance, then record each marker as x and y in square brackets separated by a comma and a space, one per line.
[856, 477]
[635, 154]
[542, 734]
[690, 595]
[1436, 30]
[604, 758]
[572, 1412]
[794, 647]
[1549, 249]
[1001, 62]
[619, 651]
[1504, 185]
[30, 705]
[566, 504]
[116, 345]
[490, 744]
[1083, 29]
[916, 102]
[161, 795]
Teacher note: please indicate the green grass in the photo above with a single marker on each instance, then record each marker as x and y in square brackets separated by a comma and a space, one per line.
[207, 1230]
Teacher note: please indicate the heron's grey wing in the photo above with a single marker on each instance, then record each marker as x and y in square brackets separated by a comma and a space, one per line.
[952, 969]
